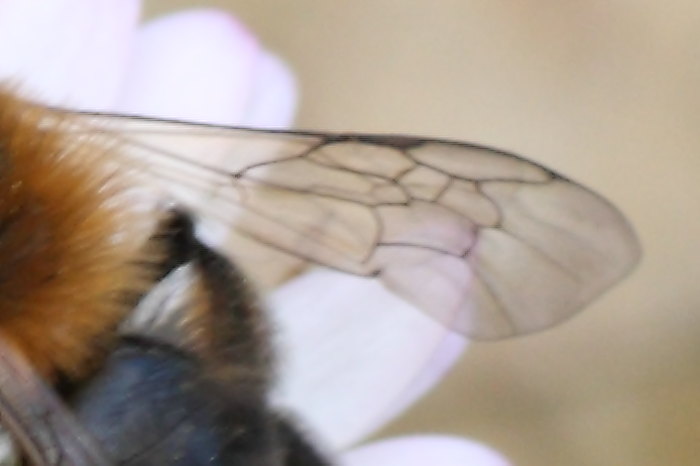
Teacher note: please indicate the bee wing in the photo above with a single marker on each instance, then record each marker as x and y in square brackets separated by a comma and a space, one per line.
[489, 243]
[36, 417]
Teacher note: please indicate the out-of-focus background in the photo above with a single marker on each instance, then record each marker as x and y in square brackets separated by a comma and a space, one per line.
[606, 91]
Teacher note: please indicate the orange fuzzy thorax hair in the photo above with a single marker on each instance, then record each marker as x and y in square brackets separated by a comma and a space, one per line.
[69, 238]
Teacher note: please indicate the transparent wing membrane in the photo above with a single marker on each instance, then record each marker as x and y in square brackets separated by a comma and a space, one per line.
[485, 241]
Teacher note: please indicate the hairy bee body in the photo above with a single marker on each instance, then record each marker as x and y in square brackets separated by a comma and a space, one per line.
[69, 240]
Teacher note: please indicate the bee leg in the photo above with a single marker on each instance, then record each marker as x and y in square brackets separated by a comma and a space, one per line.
[242, 341]
[241, 351]
[297, 450]
[240, 335]
[173, 238]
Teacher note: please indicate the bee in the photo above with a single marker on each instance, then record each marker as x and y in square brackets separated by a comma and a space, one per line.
[106, 218]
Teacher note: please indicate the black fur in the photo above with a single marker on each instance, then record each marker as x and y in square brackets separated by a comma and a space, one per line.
[156, 403]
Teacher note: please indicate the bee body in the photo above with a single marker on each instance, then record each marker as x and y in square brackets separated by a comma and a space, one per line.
[161, 340]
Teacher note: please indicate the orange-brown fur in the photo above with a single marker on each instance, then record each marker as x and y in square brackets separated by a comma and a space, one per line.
[68, 239]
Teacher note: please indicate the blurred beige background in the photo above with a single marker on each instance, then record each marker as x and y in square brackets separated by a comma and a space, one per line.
[606, 91]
